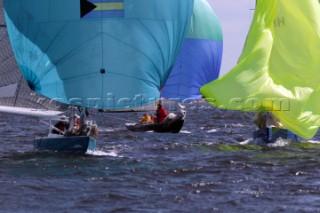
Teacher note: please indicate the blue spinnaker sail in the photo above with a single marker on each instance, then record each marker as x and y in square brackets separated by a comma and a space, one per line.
[106, 54]
[200, 57]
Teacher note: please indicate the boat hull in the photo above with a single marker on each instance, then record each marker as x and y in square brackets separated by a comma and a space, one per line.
[172, 127]
[65, 144]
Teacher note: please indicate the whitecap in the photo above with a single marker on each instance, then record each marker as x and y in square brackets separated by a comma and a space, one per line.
[212, 131]
[280, 142]
[313, 141]
[260, 142]
[102, 153]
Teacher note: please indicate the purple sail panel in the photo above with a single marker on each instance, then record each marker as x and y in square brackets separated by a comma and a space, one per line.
[198, 63]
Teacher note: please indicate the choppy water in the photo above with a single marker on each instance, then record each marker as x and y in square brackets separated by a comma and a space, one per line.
[201, 169]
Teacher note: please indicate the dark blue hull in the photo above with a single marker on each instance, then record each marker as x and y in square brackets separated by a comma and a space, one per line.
[66, 144]
[270, 135]
[172, 126]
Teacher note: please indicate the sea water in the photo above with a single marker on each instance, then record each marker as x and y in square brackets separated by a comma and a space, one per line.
[201, 169]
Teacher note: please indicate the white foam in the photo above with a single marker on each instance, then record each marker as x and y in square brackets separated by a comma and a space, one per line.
[107, 130]
[237, 125]
[212, 131]
[102, 153]
[248, 141]
[312, 141]
[259, 142]
[279, 143]
[185, 132]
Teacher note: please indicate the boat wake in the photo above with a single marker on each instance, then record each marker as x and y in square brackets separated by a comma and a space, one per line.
[212, 131]
[313, 141]
[103, 153]
[278, 143]
[109, 130]
[185, 132]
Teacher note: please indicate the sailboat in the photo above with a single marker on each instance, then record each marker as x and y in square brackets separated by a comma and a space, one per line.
[278, 70]
[107, 55]
[172, 123]
[198, 63]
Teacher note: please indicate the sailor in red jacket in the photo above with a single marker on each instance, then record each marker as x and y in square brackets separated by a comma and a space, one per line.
[161, 113]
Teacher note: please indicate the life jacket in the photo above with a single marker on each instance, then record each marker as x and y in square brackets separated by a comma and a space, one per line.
[76, 121]
[61, 125]
[146, 119]
[161, 114]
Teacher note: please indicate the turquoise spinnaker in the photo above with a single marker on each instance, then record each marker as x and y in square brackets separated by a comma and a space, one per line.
[279, 67]
[105, 54]
[200, 57]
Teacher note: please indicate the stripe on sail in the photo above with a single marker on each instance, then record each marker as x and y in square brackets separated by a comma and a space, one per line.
[106, 9]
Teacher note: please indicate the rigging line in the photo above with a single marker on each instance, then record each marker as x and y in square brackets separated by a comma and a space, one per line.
[103, 69]
[117, 118]
[50, 125]
[102, 41]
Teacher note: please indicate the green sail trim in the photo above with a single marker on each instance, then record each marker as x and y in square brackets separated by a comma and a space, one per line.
[279, 67]
[204, 23]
